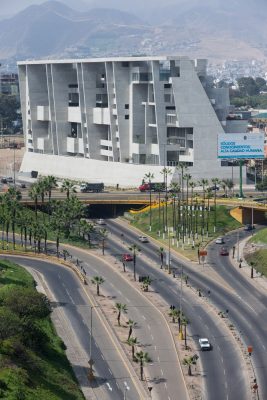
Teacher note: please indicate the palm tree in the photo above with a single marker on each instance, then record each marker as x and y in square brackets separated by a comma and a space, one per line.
[146, 282]
[142, 358]
[103, 236]
[86, 228]
[149, 176]
[187, 178]
[97, 280]
[173, 313]
[203, 183]
[215, 182]
[192, 186]
[13, 196]
[184, 323]
[68, 186]
[34, 194]
[189, 361]
[134, 249]
[121, 308]
[131, 324]
[209, 196]
[166, 172]
[161, 255]
[50, 183]
[133, 342]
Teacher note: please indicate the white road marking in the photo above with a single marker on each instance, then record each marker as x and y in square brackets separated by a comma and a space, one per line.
[158, 359]
[110, 371]
[161, 372]
[148, 327]
[143, 317]
[155, 347]
[152, 337]
[102, 356]
[126, 385]
[165, 384]
[109, 387]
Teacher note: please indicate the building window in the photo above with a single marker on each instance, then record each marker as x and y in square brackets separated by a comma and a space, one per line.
[170, 107]
[126, 116]
[73, 85]
[167, 85]
[167, 98]
[73, 100]
[125, 64]
[126, 106]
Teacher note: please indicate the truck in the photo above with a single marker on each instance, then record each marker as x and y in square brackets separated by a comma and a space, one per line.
[92, 187]
[153, 186]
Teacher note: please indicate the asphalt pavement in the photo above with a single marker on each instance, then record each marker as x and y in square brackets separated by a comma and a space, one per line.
[112, 379]
[222, 365]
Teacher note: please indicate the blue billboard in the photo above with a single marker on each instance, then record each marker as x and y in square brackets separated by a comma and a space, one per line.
[241, 145]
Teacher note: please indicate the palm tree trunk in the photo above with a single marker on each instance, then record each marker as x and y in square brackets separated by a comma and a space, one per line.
[133, 352]
[97, 289]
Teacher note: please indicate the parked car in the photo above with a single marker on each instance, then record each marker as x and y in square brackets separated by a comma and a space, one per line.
[101, 221]
[204, 344]
[143, 239]
[215, 187]
[224, 251]
[249, 227]
[4, 180]
[9, 179]
[127, 257]
[219, 240]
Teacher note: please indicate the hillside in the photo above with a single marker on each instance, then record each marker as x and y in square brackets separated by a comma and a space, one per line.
[213, 29]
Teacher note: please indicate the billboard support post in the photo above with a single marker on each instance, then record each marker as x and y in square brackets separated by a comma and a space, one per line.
[241, 194]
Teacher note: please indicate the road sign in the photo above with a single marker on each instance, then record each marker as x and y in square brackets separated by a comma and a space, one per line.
[250, 350]
[203, 252]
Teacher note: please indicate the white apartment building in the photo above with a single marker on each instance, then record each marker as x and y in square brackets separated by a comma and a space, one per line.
[113, 120]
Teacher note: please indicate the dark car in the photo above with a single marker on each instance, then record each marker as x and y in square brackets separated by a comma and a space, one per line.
[224, 251]
[215, 187]
[127, 257]
[249, 227]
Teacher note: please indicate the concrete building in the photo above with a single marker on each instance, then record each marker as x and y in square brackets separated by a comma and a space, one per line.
[115, 119]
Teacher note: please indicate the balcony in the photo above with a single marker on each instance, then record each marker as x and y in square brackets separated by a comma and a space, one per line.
[101, 116]
[107, 143]
[43, 113]
[72, 145]
[107, 153]
[74, 114]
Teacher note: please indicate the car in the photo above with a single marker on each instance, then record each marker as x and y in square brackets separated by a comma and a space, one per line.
[3, 180]
[219, 240]
[224, 251]
[9, 179]
[204, 344]
[249, 227]
[215, 187]
[127, 257]
[143, 239]
[101, 221]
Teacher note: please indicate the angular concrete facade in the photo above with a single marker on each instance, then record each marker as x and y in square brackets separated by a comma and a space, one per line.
[116, 119]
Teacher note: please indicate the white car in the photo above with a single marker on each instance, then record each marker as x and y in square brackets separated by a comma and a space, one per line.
[204, 344]
[219, 240]
[101, 221]
[143, 239]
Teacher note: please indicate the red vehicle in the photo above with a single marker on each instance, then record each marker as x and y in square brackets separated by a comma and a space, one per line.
[127, 257]
[153, 186]
[224, 251]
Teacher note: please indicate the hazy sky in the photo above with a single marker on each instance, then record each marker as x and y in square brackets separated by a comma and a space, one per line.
[8, 7]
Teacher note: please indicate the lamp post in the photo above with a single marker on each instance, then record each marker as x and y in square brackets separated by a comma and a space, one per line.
[180, 304]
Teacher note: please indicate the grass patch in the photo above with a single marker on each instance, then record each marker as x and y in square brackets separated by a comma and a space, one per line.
[225, 223]
[259, 260]
[31, 368]
[260, 237]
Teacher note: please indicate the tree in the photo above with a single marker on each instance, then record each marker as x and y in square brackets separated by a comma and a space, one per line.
[131, 324]
[247, 86]
[121, 308]
[203, 183]
[161, 256]
[149, 176]
[216, 182]
[68, 187]
[166, 172]
[50, 182]
[184, 323]
[132, 342]
[146, 283]
[174, 313]
[97, 280]
[142, 358]
[134, 249]
[9, 106]
[189, 361]
[34, 194]
[26, 302]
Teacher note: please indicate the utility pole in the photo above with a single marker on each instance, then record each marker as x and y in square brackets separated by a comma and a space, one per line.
[91, 376]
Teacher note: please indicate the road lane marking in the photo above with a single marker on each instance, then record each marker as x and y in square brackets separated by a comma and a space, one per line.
[109, 387]
[126, 385]
[148, 327]
[143, 317]
[110, 371]
[165, 384]
[161, 372]
[152, 337]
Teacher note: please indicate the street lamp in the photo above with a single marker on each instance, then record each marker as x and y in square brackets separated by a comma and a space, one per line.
[180, 304]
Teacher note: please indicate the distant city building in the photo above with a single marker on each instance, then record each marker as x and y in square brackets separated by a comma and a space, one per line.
[9, 83]
[113, 120]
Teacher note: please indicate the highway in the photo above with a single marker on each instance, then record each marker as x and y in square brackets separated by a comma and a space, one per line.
[164, 372]
[112, 378]
[224, 376]
[252, 305]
